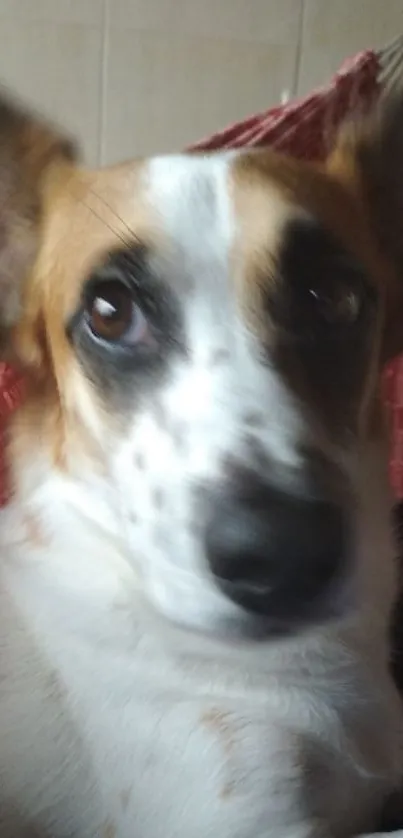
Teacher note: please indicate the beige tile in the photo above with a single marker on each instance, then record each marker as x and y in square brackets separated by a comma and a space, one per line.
[54, 11]
[271, 21]
[58, 70]
[335, 30]
[164, 92]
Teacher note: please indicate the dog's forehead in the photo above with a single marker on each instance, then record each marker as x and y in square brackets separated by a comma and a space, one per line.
[191, 197]
[211, 216]
[194, 212]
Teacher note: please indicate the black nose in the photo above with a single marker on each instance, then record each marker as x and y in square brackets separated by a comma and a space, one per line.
[274, 554]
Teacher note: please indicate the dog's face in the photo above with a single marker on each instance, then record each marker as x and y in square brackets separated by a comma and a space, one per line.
[207, 334]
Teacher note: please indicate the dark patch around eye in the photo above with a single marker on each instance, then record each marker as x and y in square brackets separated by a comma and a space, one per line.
[321, 346]
[311, 260]
[119, 368]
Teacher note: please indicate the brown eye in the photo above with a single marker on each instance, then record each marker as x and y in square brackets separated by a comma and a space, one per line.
[113, 315]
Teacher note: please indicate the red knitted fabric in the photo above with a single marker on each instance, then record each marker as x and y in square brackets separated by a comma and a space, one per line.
[303, 128]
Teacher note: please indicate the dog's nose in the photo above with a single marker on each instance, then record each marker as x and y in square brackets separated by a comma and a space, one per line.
[272, 553]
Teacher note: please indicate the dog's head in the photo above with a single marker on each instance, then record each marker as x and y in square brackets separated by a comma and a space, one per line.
[207, 333]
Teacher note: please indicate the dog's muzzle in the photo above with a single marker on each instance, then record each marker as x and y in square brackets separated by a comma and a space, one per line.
[274, 554]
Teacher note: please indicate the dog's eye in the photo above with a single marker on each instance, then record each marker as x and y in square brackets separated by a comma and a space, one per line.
[337, 306]
[113, 315]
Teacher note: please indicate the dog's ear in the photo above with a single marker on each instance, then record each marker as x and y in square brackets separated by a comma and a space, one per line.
[28, 147]
[368, 157]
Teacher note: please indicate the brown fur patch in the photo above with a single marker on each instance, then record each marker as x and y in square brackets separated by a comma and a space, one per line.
[221, 723]
[270, 191]
[294, 187]
[28, 148]
[35, 532]
[84, 216]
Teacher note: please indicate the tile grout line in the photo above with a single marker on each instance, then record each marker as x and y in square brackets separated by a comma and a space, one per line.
[103, 84]
[298, 53]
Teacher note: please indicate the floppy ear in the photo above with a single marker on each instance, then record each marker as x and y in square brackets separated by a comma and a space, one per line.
[28, 147]
[368, 157]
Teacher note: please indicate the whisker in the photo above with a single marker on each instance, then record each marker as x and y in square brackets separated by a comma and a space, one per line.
[123, 238]
[113, 211]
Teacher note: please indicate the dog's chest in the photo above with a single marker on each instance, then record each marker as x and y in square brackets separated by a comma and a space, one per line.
[173, 745]
[172, 751]
[169, 746]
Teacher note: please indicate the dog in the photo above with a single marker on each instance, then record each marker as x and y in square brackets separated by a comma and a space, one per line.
[197, 566]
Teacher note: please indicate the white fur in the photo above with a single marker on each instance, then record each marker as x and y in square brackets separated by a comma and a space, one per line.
[117, 721]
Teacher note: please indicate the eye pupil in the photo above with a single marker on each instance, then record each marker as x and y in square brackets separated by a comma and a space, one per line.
[340, 306]
[110, 310]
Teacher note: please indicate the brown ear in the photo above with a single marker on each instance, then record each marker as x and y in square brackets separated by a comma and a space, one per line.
[368, 157]
[28, 146]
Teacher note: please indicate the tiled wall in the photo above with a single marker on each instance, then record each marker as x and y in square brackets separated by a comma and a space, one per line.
[135, 76]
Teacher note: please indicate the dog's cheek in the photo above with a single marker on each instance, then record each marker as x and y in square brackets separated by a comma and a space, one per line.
[144, 466]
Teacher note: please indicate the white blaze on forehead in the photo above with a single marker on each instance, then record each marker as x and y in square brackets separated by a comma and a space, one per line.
[190, 195]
